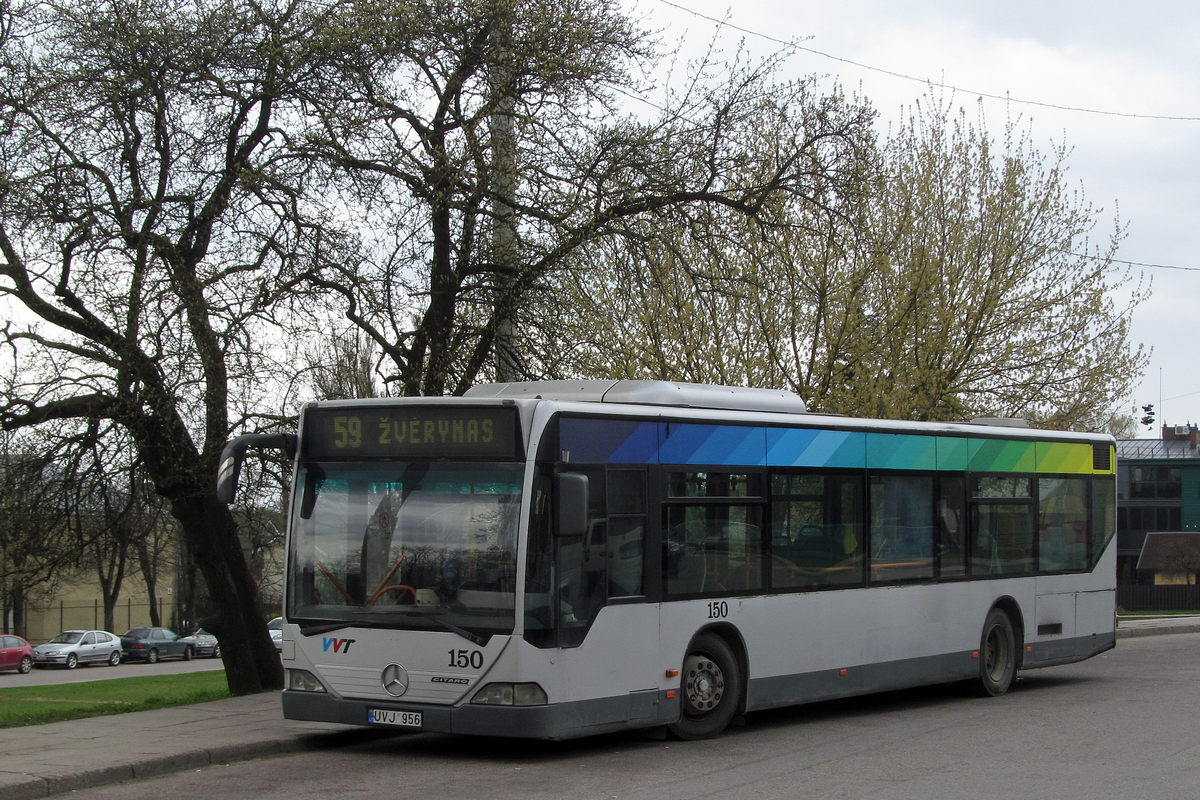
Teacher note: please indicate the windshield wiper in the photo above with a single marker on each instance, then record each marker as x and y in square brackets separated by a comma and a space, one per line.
[313, 630]
[473, 638]
[362, 621]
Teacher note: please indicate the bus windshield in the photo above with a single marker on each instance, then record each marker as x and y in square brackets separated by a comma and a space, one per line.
[412, 545]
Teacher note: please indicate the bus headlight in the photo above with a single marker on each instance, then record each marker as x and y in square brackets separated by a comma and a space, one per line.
[301, 680]
[510, 694]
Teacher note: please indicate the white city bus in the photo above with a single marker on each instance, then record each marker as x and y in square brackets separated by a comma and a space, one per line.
[559, 559]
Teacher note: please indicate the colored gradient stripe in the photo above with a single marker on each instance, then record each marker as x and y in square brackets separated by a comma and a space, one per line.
[712, 444]
[631, 442]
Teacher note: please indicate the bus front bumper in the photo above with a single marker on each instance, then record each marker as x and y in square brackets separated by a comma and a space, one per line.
[552, 721]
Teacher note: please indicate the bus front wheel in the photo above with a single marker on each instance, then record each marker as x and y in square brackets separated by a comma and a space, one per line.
[997, 655]
[710, 688]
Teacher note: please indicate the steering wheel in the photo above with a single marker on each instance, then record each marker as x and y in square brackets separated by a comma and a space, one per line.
[384, 589]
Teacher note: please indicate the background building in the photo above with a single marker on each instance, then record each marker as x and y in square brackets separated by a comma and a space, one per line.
[1158, 491]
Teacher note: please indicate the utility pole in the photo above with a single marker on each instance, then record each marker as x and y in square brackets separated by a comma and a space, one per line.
[504, 187]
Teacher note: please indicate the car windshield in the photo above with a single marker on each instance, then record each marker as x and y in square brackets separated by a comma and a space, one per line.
[415, 545]
[67, 637]
[138, 633]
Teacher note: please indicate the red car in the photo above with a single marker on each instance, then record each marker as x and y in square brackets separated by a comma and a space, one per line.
[15, 653]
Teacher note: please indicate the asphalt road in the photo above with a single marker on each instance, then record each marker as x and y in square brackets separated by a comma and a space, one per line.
[95, 672]
[1122, 725]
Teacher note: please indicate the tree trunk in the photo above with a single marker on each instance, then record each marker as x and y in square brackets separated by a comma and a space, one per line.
[188, 481]
[251, 661]
[150, 576]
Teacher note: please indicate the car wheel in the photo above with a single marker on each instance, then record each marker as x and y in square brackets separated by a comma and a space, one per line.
[72, 661]
[26, 665]
[216, 651]
[187, 654]
[114, 658]
[152, 656]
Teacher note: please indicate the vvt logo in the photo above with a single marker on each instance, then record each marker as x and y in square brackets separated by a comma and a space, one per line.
[337, 645]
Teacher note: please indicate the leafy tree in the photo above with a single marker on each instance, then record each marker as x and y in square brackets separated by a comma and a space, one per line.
[959, 285]
[990, 297]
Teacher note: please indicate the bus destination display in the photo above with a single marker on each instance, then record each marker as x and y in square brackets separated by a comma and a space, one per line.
[410, 432]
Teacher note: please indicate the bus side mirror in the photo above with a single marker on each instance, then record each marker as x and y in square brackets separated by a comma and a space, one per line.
[234, 454]
[571, 494]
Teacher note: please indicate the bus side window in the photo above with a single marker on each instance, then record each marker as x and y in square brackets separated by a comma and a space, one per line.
[952, 534]
[627, 509]
[1062, 524]
[816, 529]
[626, 548]
[902, 527]
[582, 583]
[539, 569]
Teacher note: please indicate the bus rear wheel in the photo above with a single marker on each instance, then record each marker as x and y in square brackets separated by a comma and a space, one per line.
[997, 655]
[710, 688]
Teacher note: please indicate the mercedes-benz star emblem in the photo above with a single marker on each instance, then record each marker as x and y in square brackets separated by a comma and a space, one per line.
[394, 679]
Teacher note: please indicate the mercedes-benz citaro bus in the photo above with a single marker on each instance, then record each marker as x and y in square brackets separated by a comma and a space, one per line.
[559, 559]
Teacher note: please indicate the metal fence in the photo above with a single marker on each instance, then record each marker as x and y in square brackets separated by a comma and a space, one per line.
[44, 622]
[1131, 597]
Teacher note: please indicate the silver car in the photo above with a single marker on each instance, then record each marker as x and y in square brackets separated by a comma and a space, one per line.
[203, 643]
[71, 648]
[275, 628]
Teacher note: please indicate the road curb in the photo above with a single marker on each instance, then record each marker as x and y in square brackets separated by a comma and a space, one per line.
[1157, 630]
[26, 789]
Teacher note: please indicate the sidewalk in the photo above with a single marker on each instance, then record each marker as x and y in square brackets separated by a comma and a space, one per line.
[47, 760]
[1152, 626]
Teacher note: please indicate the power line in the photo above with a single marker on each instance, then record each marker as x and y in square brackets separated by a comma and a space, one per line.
[926, 81]
[793, 44]
[1141, 263]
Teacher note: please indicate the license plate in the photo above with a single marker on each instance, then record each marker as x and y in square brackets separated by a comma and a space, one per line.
[403, 719]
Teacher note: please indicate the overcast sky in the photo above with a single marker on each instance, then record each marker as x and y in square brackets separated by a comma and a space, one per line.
[1137, 61]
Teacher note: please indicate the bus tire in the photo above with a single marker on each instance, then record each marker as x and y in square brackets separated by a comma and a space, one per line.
[710, 688]
[997, 655]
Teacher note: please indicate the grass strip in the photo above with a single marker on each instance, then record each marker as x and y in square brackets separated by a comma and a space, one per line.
[36, 705]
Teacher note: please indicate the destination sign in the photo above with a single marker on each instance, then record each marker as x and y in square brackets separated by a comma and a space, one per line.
[410, 432]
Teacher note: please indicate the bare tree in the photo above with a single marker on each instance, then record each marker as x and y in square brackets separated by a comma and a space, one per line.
[343, 366]
[151, 205]
[500, 151]
[181, 179]
[35, 548]
[119, 523]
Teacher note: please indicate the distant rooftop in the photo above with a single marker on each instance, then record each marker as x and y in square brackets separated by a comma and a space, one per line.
[1177, 442]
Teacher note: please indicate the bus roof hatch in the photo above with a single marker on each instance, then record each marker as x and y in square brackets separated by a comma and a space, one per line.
[650, 393]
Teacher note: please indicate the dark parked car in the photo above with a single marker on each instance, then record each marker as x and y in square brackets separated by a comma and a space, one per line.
[203, 643]
[71, 648]
[152, 644]
[15, 653]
